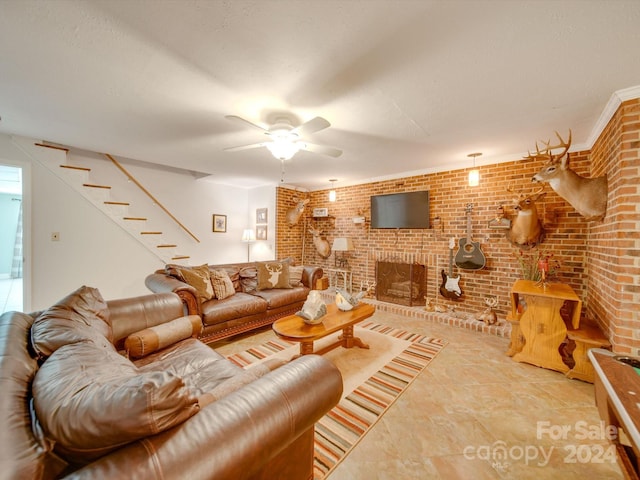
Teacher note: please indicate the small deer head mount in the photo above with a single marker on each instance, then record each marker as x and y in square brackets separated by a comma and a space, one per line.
[294, 213]
[322, 244]
[526, 228]
[587, 195]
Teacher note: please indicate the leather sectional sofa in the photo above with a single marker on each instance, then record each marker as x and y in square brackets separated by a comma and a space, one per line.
[254, 302]
[122, 389]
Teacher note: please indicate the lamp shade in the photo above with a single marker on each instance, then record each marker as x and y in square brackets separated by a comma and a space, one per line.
[474, 178]
[342, 244]
[248, 235]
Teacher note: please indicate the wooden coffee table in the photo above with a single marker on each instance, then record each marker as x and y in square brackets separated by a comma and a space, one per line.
[293, 328]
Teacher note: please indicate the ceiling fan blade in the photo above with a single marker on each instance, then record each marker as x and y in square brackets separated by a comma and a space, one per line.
[246, 147]
[323, 149]
[235, 118]
[314, 125]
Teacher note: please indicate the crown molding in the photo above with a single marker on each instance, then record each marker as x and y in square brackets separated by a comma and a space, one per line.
[609, 110]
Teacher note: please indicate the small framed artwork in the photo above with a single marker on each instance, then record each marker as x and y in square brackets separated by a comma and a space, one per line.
[219, 223]
[261, 232]
[261, 216]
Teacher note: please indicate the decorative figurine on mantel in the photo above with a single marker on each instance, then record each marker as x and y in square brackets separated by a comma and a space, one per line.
[345, 301]
[488, 316]
[313, 309]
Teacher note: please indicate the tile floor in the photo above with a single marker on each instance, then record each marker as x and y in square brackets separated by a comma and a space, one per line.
[10, 294]
[471, 404]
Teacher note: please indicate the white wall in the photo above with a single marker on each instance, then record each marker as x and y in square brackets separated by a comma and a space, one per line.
[263, 197]
[93, 250]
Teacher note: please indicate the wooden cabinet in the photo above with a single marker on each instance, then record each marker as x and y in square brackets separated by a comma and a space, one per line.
[541, 324]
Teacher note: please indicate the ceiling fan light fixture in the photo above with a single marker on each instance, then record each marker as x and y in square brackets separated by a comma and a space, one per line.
[283, 149]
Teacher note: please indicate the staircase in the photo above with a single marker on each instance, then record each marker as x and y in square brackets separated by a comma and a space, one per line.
[117, 195]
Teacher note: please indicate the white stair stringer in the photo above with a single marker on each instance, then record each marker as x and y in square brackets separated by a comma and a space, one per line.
[157, 234]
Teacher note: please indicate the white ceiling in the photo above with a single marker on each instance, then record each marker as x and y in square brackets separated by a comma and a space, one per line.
[408, 86]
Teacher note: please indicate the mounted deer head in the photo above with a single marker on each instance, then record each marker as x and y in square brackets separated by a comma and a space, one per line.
[526, 228]
[587, 195]
[294, 213]
[321, 244]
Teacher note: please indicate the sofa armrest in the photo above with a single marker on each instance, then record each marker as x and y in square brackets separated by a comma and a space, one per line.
[310, 275]
[234, 437]
[160, 283]
[129, 315]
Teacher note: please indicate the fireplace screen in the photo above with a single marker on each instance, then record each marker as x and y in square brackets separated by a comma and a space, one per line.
[401, 283]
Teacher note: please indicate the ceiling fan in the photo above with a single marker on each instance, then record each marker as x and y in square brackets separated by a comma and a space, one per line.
[285, 139]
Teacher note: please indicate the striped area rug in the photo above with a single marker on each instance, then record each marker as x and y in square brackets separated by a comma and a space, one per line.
[338, 432]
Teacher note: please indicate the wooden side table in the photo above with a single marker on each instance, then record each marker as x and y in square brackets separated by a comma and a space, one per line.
[541, 323]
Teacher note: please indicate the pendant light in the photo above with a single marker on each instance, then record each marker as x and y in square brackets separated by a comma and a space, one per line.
[474, 173]
[332, 192]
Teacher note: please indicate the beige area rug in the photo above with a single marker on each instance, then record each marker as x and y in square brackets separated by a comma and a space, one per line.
[373, 379]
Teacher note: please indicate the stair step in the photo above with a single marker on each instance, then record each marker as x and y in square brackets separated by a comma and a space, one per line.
[135, 218]
[180, 257]
[124, 204]
[73, 167]
[166, 245]
[55, 147]
[91, 185]
[150, 233]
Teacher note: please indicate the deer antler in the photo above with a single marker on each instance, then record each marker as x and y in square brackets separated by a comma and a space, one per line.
[546, 153]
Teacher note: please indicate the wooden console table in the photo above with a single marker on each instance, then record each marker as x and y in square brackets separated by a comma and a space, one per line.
[541, 324]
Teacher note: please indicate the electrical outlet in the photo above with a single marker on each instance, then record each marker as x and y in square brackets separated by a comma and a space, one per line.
[55, 236]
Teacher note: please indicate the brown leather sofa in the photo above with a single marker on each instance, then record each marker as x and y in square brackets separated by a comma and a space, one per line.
[70, 398]
[249, 308]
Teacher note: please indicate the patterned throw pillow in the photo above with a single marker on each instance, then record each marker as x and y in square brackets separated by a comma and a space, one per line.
[273, 275]
[222, 284]
[295, 276]
[199, 278]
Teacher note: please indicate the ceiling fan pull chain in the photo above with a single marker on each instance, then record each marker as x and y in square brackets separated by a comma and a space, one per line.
[282, 172]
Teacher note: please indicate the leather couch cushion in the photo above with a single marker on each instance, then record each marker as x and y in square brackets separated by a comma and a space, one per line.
[81, 316]
[281, 297]
[273, 275]
[150, 339]
[236, 306]
[91, 401]
[222, 284]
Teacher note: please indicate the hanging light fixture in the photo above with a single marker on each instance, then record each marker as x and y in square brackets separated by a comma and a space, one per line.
[332, 192]
[474, 173]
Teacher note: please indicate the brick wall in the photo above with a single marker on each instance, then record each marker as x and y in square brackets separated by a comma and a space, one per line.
[613, 292]
[600, 260]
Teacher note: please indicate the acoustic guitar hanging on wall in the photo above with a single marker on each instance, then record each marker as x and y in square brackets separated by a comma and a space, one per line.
[450, 287]
[470, 256]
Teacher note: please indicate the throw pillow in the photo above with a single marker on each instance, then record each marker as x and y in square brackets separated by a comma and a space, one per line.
[81, 316]
[273, 275]
[91, 401]
[200, 279]
[295, 276]
[222, 284]
[249, 279]
[155, 338]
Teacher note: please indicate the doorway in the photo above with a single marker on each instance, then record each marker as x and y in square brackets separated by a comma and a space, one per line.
[11, 239]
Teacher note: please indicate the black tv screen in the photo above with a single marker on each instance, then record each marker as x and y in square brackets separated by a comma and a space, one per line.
[400, 210]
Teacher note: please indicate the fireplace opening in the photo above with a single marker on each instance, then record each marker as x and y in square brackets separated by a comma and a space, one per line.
[400, 283]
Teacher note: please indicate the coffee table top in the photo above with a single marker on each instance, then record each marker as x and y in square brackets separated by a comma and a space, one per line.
[293, 326]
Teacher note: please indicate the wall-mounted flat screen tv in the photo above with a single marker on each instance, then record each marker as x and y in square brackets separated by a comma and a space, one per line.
[400, 210]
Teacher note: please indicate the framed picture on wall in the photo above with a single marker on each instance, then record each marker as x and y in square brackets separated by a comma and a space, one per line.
[261, 232]
[219, 223]
[261, 216]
